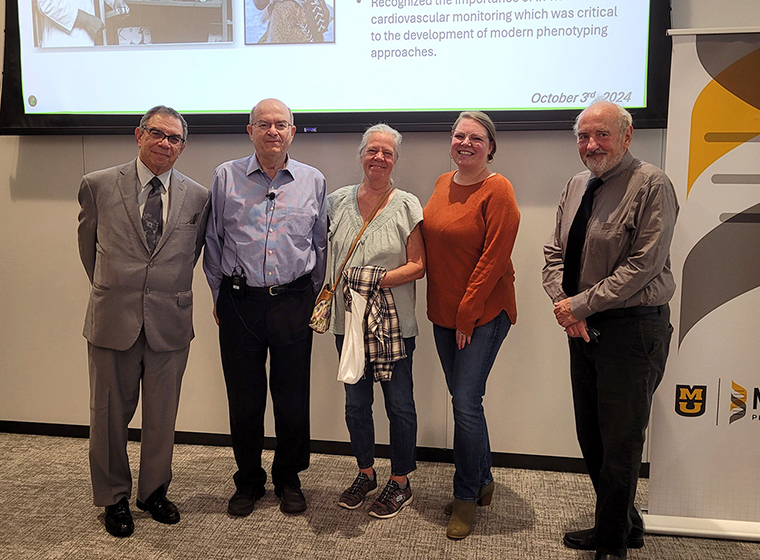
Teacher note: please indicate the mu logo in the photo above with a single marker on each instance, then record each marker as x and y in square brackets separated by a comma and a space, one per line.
[738, 403]
[691, 401]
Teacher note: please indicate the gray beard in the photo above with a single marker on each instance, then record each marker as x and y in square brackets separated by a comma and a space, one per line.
[601, 167]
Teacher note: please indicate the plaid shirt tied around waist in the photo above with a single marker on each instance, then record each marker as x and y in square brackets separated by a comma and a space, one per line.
[383, 343]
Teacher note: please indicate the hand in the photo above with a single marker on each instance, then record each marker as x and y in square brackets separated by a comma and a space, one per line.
[215, 317]
[462, 339]
[89, 23]
[578, 330]
[564, 313]
[120, 7]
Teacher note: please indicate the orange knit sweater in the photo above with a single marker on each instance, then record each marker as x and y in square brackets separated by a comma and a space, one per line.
[469, 235]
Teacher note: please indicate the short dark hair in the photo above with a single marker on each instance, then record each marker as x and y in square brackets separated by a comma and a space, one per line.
[485, 121]
[164, 110]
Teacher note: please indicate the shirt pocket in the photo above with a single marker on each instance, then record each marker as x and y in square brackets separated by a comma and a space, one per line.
[299, 223]
[608, 242]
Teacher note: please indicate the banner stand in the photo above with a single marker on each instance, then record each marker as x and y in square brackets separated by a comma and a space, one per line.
[705, 425]
[701, 528]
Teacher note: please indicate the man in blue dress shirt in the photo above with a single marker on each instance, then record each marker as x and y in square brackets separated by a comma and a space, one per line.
[265, 262]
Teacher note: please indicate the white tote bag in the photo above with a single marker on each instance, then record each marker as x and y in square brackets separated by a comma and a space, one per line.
[351, 367]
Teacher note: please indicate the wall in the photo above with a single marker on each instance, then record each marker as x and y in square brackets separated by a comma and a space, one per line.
[43, 288]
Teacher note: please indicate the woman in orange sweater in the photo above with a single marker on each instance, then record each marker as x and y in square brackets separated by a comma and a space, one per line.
[470, 225]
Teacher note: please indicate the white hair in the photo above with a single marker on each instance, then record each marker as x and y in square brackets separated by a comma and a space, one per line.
[381, 128]
[624, 118]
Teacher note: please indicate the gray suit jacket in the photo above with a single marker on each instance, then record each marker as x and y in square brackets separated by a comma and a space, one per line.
[130, 287]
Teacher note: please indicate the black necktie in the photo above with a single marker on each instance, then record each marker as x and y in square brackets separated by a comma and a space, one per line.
[152, 217]
[576, 238]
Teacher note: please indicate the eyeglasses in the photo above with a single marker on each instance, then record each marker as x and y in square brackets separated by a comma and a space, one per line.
[264, 126]
[474, 137]
[372, 152]
[158, 136]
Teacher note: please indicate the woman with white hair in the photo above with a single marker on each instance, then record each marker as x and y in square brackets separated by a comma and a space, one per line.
[393, 248]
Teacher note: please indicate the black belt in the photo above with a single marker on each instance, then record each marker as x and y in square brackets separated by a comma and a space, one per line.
[300, 284]
[629, 312]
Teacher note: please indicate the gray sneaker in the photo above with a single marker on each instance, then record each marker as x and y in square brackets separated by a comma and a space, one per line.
[391, 500]
[353, 496]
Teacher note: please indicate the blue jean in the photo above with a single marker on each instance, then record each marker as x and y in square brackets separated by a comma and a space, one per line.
[399, 406]
[466, 372]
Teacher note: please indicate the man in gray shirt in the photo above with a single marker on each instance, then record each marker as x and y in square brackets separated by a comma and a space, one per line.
[608, 273]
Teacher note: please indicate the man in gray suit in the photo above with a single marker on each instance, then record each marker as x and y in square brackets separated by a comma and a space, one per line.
[141, 230]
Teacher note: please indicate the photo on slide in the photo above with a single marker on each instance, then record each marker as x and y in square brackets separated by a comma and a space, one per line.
[289, 21]
[88, 23]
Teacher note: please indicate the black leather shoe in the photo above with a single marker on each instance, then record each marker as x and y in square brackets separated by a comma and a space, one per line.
[160, 508]
[291, 499]
[241, 503]
[607, 556]
[586, 539]
[119, 519]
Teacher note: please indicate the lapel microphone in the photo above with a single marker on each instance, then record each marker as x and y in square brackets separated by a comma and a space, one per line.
[270, 196]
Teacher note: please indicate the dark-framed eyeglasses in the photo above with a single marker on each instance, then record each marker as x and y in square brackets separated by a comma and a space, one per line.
[158, 135]
[264, 126]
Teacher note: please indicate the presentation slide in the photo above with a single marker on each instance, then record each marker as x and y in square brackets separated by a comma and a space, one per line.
[222, 56]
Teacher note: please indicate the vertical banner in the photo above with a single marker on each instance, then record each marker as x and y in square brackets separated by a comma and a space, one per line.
[705, 437]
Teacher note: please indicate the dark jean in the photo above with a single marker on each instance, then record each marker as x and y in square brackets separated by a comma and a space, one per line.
[399, 406]
[613, 382]
[466, 372]
[250, 330]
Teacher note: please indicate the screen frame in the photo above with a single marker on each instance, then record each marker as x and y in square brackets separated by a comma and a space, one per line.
[14, 120]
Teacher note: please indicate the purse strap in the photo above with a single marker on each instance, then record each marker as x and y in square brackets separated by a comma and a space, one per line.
[361, 231]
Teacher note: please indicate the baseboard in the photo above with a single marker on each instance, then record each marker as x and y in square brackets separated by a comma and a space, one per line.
[431, 454]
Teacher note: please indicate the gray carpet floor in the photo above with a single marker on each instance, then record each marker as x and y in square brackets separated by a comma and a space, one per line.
[47, 513]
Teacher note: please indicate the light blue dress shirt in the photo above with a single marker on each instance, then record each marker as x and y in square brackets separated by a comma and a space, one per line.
[272, 230]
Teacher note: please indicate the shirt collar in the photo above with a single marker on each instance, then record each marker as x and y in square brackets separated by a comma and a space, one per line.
[144, 175]
[254, 165]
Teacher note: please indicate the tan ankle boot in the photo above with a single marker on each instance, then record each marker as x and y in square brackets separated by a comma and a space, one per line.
[485, 495]
[462, 518]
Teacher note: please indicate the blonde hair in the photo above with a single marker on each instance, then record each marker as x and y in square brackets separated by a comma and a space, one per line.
[485, 121]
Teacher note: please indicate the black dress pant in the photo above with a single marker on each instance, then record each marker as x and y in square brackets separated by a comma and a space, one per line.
[251, 328]
[613, 381]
